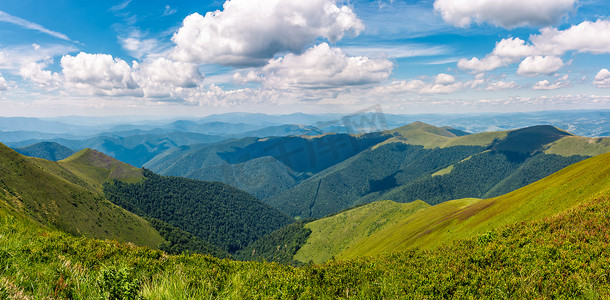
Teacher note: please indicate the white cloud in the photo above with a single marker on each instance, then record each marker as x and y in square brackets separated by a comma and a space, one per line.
[488, 63]
[536, 65]
[391, 51]
[501, 85]
[442, 84]
[504, 13]
[163, 78]
[324, 67]
[602, 79]
[586, 37]
[3, 84]
[98, 74]
[120, 6]
[138, 46]
[272, 27]
[16, 57]
[546, 85]
[35, 73]
[251, 76]
[444, 79]
[169, 11]
[590, 37]
[4, 17]
[165, 71]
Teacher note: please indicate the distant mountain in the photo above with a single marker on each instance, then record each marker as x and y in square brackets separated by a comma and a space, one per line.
[424, 162]
[262, 166]
[136, 149]
[46, 150]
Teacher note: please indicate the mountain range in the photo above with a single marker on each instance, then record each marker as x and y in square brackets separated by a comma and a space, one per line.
[417, 210]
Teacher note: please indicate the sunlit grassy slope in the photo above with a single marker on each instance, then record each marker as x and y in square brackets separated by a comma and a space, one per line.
[561, 257]
[332, 235]
[429, 136]
[458, 219]
[58, 196]
[582, 145]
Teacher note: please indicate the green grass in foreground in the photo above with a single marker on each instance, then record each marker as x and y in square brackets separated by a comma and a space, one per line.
[562, 256]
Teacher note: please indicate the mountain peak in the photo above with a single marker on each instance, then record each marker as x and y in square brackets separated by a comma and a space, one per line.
[421, 126]
[101, 166]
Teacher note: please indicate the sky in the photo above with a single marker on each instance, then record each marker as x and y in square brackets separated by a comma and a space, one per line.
[196, 58]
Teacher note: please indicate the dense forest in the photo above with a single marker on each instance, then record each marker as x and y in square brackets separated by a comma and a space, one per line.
[219, 214]
[178, 241]
[279, 246]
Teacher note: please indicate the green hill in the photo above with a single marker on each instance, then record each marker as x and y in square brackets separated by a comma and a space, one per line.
[332, 235]
[262, 166]
[51, 195]
[458, 219]
[423, 162]
[46, 150]
[219, 214]
[564, 256]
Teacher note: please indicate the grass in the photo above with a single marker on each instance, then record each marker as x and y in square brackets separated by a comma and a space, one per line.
[332, 235]
[580, 145]
[444, 171]
[434, 137]
[450, 221]
[564, 256]
[53, 196]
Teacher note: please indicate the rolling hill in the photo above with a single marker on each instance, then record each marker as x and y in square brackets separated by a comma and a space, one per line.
[452, 220]
[563, 256]
[262, 166]
[423, 162]
[221, 215]
[51, 195]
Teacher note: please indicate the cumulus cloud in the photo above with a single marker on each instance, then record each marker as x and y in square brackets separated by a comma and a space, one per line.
[251, 76]
[586, 37]
[602, 79]
[442, 84]
[547, 85]
[273, 27]
[100, 72]
[536, 65]
[501, 85]
[35, 73]
[3, 84]
[324, 67]
[503, 13]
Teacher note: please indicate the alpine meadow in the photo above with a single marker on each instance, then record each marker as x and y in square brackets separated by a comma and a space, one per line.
[322, 149]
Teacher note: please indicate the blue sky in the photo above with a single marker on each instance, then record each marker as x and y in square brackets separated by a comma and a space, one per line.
[192, 58]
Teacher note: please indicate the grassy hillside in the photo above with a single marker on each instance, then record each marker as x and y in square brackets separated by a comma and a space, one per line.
[332, 235]
[576, 144]
[52, 196]
[46, 150]
[564, 256]
[452, 220]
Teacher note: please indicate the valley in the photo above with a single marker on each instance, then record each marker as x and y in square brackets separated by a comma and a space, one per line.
[325, 203]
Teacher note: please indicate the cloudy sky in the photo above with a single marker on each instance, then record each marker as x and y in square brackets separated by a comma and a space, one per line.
[193, 58]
